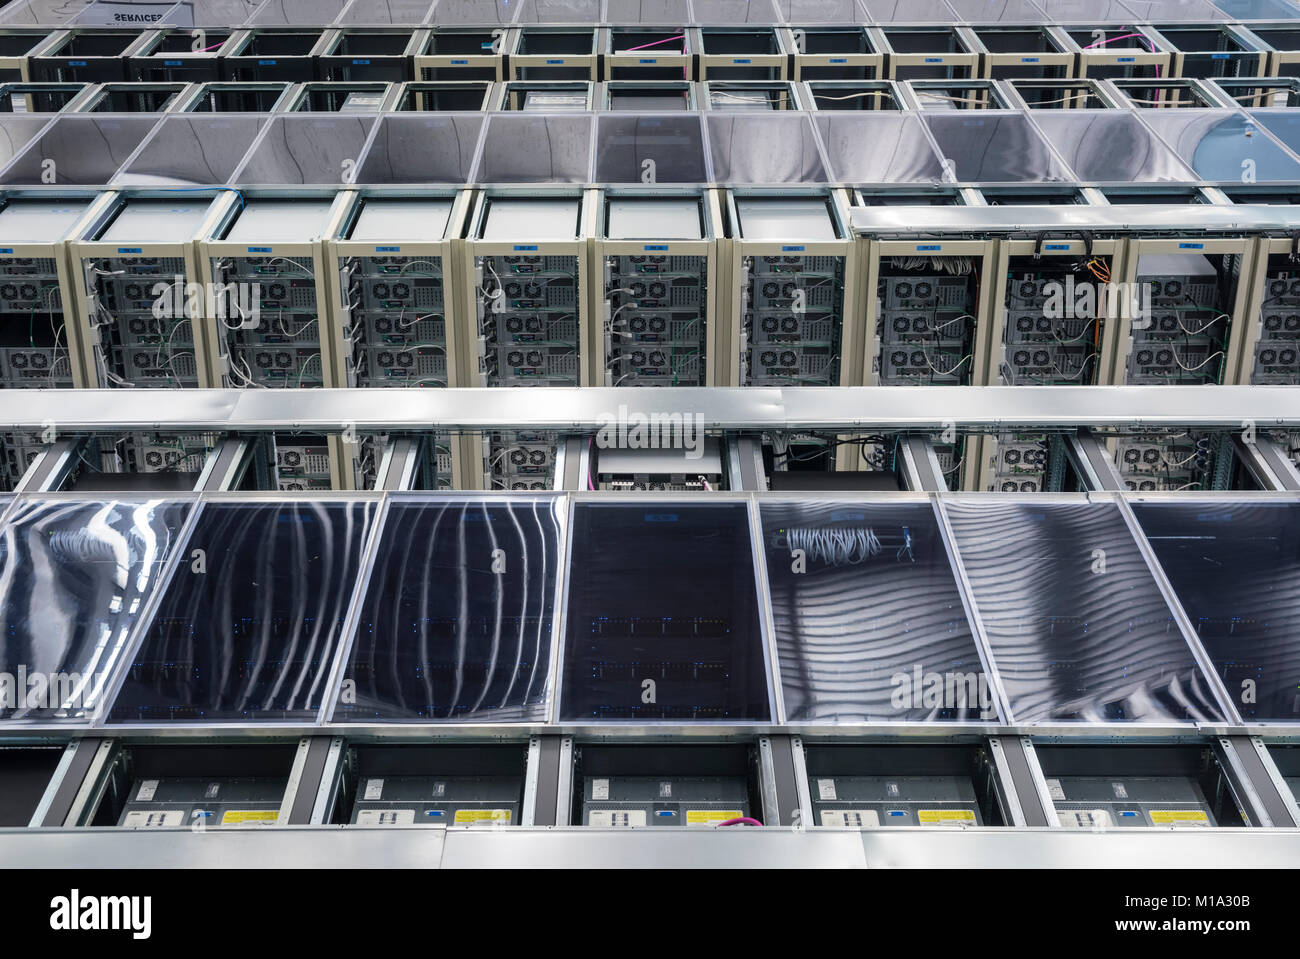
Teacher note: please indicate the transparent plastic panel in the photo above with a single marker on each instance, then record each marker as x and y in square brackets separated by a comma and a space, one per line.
[74, 576]
[1283, 124]
[669, 149]
[422, 149]
[798, 12]
[1110, 146]
[878, 148]
[662, 618]
[727, 13]
[998, 11]
[473, 12]
[297, 13]
[44, 12]
[536, 149]
[1258, 9]
[307, 149]
[247, 630]
[383, 12]
[1155, 11]
[1223, 145]
[85, 150]
[456, 621]
[559, 11]
[674, 13]
[192, 151]
[909, 11]
[16, 132]
[995, 148]
[1235, 568]
[1077, 626]
[1085, 11]
[213, 13]
[764, 149]
[869, 624]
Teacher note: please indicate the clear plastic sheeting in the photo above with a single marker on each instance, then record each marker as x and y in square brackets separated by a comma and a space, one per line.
[84, 150]
[74, 578]
[248, 626]
[1235, 568]
[1223, 145]
[662, 615]
[1258, 9]
[1076, 624]
[559, 11]
[309, 150]
[384, 13]
[16, 132]
[1085, 11]
[473, 12]
[886, 147]
[729, 12]
[990, 147]
[1283, 123]
[909, 11]
[673, 13]
[821, 11]
[1157, 11]
[667, 149]
[997, 11]
[869, 624]
[457, 617]
[43, 12]
[296, 12]
[780, 148]
[520, 148]
[421, 148]
[191, 150]
[1110, 146]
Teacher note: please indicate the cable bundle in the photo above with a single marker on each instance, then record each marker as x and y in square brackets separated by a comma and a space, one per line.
[835, 546]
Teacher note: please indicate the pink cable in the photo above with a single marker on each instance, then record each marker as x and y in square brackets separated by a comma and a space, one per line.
[213, 47]
[655, 43]
[742, 821]
[1124, 37]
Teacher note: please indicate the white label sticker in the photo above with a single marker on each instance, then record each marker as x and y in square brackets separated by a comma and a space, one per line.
[891, 790]
[616, 817]
[139, 819]
[600, 789]
[147, 788]
[665, 790]
[440, 789]
[1054, 789]
[1120, 791]
[385, 817]
[826, 788]
[1084, 818]
[853, 818]
[374, 789]
[212, 790]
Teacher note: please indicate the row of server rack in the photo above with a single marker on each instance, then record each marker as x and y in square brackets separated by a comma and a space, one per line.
[648, 662]
[254, 290]
[1142, 48]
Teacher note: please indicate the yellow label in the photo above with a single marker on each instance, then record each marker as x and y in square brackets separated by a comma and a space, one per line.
[710, 817]
[1173, 817]
[240, 817]
[464, 816]
[940, 817]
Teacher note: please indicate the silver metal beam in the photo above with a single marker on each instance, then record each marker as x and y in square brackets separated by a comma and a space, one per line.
[921, 408]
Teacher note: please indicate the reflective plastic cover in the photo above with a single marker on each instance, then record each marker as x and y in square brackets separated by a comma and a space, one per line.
[307, 149]
[1235, 567]
[191, 150]
[885, 147]
[994, 147]
[473, 12]
[673, 143]
[869, 624]
[909, 11]
[457, 618]
[1110, 146]
[729, 12]
[1077, 626]
[997, 11]
[668, 12]
[74, 576]
[776, 148]
[86, 149]
[662, 618]
[405, 12]
[820, 11]
[422, 148]
[536, 149]
[248, 628]
[1223, 145]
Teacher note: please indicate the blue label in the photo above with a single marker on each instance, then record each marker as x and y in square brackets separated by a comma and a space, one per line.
[171, 63]
[648, 61]
[554, 61]
[266, 63]
[897, 812]
[259, 249]
[435, 812]
[76, 63]
[526, 248]
[839, 60]
[661, 517]
[661, 248]
[1125, 59]
[664, 812]
[792, 249]
[1191, 246]
[486, 46]
[934, 59]
[388, 249]
[1056, 246]
[128, 249]
[1029, 59]
[746, 60]
[929, 247]
[1219, 56]
[459, 62]
[361, 63]
[7, 250]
